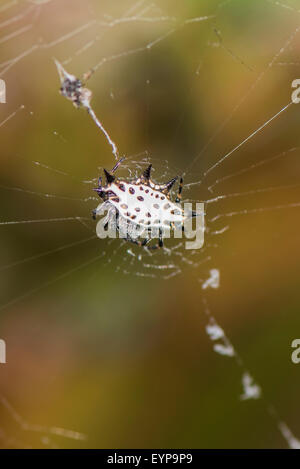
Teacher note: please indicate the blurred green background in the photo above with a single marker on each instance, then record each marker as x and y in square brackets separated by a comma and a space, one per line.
[122, 358]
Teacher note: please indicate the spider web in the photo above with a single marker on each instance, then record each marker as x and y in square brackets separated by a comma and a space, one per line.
[201, 89]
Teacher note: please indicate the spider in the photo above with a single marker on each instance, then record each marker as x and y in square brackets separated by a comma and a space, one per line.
[142, 207]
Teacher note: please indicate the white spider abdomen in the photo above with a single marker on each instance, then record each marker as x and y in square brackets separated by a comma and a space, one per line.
[145, 206]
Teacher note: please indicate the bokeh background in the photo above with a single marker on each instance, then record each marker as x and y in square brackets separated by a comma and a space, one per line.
[121, 358]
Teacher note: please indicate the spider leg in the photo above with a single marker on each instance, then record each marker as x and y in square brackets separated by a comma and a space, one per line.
[146, 241]
[159, 244]
[178, 198]
[118, 164]
[138, 243]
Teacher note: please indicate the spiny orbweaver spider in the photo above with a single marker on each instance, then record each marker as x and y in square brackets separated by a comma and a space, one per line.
[141, 210]
[138, 210]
